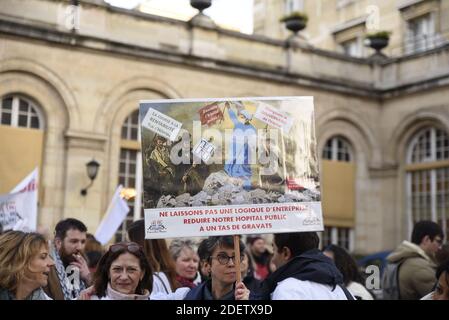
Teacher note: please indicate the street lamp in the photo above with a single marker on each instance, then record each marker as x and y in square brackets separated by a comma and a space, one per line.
[92, 170]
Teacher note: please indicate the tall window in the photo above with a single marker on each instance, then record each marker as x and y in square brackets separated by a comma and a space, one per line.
[343, 237]
[130, 128]
[428, 177]
[22, 134]
[293, 5]
[420, 34]
[326, 237]
[130, 171]
[17, 111]
[352, 47]
[337, 149]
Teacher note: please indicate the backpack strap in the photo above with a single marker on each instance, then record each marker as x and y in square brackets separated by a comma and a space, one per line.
[162, 281]
[346, 292]
[398, 282]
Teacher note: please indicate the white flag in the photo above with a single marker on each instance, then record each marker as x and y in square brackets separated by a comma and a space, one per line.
[116, 213]
[18, 209]
[29, 180]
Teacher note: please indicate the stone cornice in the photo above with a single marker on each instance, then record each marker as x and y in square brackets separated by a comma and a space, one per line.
[383, 171]
[61, 38]
[85, 140]
[272, 72]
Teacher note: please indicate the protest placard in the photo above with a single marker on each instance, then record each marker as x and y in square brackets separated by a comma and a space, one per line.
[204, 150]
[274, 117]
[250, 176]
[210, 114]
[161, 124]
[18, 209]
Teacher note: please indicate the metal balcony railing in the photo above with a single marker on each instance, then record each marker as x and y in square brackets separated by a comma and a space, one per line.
[421, 43]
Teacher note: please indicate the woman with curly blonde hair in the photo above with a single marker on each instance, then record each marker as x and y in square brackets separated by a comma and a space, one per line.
[24, 266]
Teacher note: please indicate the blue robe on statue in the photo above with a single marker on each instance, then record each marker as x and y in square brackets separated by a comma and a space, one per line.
[238, 163]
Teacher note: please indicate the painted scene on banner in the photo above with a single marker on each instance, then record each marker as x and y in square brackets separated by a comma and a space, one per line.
[229, 166]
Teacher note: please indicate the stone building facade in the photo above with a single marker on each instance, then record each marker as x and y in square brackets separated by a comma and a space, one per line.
[71, 78]
[340, 25]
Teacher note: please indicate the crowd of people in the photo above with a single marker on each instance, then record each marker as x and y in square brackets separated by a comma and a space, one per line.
[73, 265]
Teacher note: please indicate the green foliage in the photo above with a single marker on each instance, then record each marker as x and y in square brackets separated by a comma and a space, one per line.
[295, 15]
[379, 34]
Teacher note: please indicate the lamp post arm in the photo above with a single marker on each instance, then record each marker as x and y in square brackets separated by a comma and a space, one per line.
[84, 191]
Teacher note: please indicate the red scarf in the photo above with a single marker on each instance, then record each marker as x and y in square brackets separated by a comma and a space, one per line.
[185, 282]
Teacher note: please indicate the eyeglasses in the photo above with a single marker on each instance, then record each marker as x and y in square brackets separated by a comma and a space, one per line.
[130, 246]
[224, 258]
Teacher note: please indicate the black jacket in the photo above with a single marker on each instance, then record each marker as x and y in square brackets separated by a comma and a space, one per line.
[204, 292]
[313, 266]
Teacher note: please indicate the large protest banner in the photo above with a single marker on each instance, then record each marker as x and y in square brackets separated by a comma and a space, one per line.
[18, 209]
[229, 166]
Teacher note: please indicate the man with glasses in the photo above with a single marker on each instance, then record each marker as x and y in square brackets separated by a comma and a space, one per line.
[219, 260]
[415, 262]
